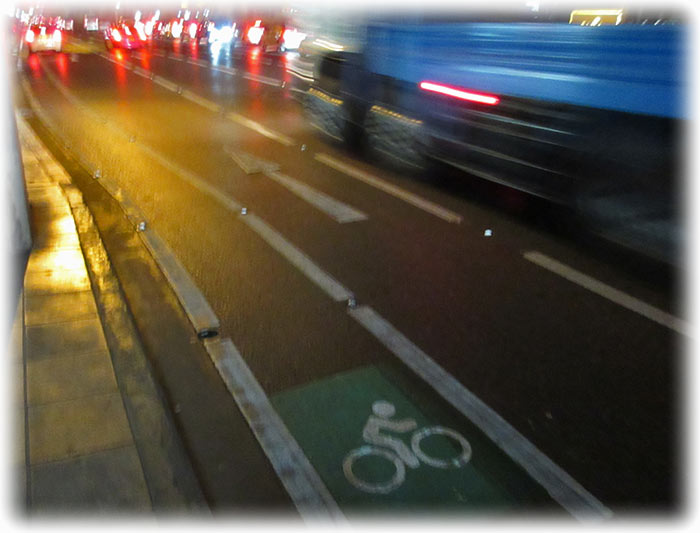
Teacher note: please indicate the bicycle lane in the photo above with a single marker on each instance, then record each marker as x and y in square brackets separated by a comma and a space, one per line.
[458, 467]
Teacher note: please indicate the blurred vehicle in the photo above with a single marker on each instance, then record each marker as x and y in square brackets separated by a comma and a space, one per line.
[170, 30]
[91, 23]
[196, 31]
[587, 117]
[222, 31]
[124, 36]
[268, 35]
[42, 37]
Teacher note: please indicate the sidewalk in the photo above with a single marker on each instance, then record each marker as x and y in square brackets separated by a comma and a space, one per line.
[78, 430]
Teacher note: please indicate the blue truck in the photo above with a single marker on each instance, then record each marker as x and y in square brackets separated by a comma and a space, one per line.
[590, 117]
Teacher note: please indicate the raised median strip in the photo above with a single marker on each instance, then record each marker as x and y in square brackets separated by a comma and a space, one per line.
[198, 310]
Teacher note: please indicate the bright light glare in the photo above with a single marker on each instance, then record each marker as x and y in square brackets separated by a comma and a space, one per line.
[255, 34]
[30, 36]
[116, 35]
[458, 93]
[329, 45]
[193, 30]
[176, 29]
[222, 35]
[57, 35]
[292, 38]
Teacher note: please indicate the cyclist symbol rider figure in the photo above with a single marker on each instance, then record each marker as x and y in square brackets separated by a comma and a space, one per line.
[383, 411]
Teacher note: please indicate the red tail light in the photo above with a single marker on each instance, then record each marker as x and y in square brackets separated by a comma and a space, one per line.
[29, 37]
[459, 93]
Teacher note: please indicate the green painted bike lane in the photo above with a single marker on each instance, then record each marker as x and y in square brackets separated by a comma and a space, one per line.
[455, 467]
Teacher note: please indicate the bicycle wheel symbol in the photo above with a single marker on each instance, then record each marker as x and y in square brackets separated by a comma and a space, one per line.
[377, 487]
[385, 487]
[454, 462]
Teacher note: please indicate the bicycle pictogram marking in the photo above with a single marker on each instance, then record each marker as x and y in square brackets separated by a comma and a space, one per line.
[396, 451]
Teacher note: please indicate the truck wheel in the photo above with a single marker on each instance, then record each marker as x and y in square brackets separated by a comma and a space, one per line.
[396, 138]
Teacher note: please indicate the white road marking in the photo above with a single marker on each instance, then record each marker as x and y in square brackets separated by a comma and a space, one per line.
[249, 163]
[324, 281]
[234, 117]
[397, 192]
[227, 70]
[165, 83]
[300, 479]
[192, 97]
[262, 79]
[142, 72]
[301, 261]
[198, 62]
[561, 487]
[610, 293]
[108, 58]
[335, 209]
[262, 130]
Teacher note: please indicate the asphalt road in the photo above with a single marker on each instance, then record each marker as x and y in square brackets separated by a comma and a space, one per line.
[594, 385]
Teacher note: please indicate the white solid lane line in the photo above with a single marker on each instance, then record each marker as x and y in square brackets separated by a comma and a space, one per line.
[560, 486]
[262, 130]
[338, 211]
[300, 479]
[563, 489]
[262, 79]
[610, 293]
[165, 83]
[192, 97]
[397, 192]
[332, 287]
[211, 106]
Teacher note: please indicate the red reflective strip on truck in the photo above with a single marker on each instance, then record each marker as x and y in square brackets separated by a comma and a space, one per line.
[459, 93]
